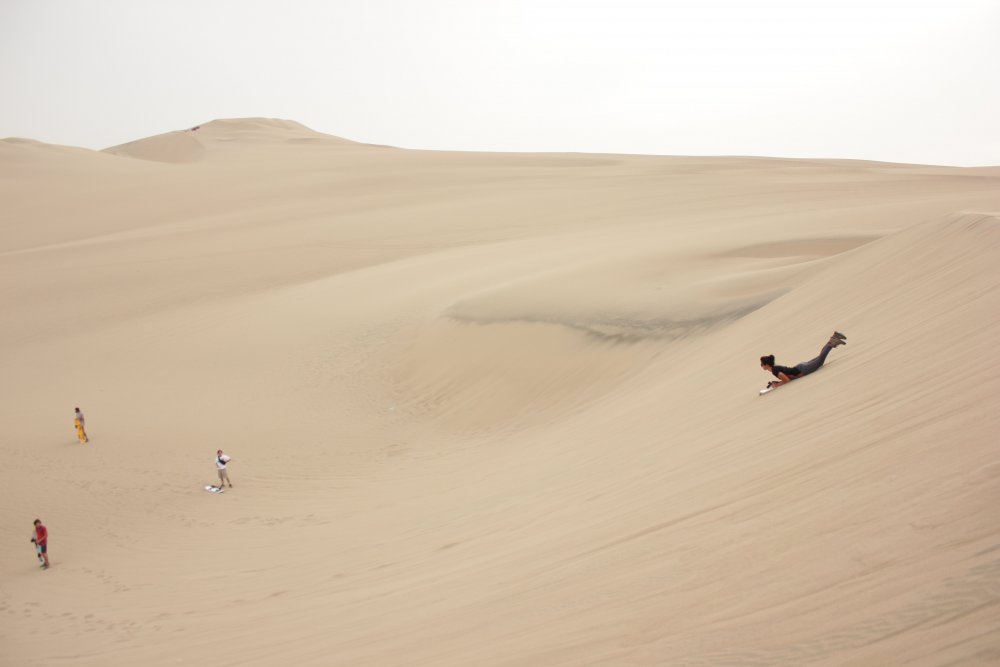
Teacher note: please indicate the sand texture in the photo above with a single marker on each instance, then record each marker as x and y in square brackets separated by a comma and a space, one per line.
[494, 409]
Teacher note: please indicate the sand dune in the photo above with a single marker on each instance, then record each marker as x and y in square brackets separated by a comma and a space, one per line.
[195, 143]
[170, 147]
[494, 409]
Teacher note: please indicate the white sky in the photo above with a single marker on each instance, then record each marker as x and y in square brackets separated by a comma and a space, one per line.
[896, 80]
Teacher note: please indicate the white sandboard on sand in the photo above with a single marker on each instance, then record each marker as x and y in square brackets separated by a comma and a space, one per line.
[766, 390]
[214, 489]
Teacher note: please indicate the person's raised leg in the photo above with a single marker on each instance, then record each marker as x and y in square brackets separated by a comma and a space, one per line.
[813, 365]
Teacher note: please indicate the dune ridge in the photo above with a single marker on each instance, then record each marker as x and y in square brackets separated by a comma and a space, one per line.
[495, 409]
[196, 143]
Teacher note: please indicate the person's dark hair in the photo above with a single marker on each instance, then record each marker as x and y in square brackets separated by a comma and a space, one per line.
[767, 360]
[37, 521]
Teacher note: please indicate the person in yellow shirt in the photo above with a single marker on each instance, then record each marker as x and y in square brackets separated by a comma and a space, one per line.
[81, 431]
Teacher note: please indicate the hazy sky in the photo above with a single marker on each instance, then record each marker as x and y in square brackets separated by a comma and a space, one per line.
[897, 80]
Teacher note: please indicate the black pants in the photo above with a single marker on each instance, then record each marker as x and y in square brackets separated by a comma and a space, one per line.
[807, 367]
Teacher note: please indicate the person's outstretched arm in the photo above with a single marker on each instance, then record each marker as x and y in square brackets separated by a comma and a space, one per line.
[782, 379]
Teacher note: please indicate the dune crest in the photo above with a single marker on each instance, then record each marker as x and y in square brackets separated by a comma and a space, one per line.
[268, 131]
[193, 144]
[174, 147]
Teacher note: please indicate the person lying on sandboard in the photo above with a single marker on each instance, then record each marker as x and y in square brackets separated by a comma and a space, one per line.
[786, 374]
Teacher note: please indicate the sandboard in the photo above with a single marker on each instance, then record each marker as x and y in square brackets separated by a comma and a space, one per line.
[214, 489]
[765, 390]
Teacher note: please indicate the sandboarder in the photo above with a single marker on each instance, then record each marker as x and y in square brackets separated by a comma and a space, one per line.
[41, 540]
[79, 423]
[786, 374]
[38, 549]
[220, 463]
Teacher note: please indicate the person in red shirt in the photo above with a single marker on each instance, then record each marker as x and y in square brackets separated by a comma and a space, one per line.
[41, 540]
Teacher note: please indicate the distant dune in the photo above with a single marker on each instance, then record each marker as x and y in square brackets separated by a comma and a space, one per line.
[494, 409]
[190, 145]
[169, 147]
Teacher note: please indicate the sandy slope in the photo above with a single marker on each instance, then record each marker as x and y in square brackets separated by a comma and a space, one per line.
[494, 409]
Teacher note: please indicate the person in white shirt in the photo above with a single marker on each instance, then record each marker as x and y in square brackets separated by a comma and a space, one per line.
[220, 462]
